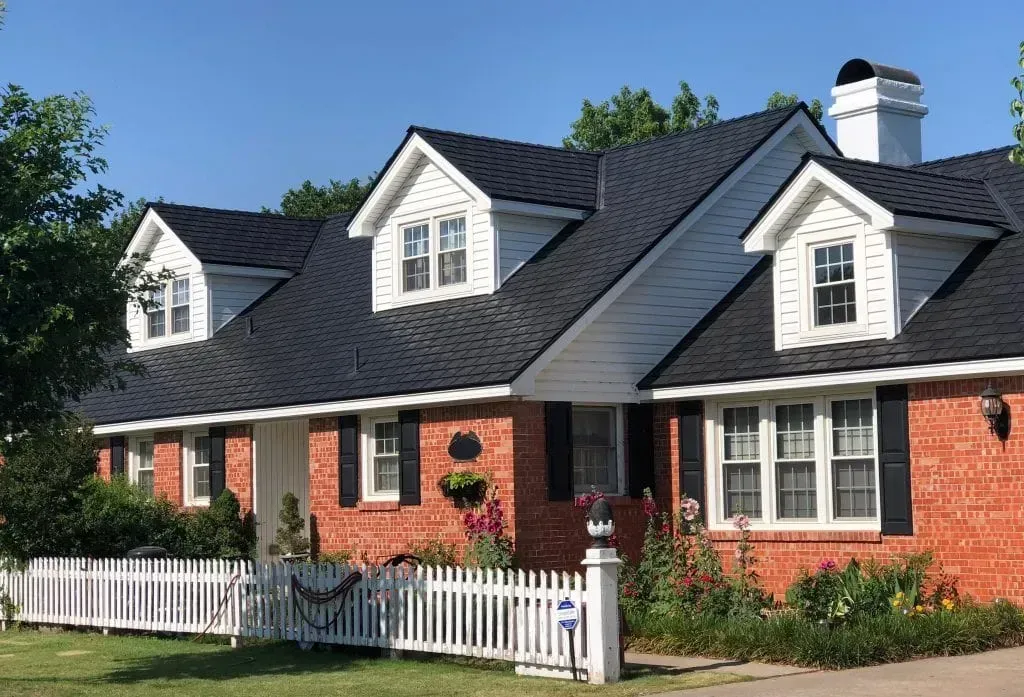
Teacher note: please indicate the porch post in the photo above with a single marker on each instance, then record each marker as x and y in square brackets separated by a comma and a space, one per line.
[602, 612]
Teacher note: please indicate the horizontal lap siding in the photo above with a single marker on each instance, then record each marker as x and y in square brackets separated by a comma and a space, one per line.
[656, 311]
[922, 265]
[229, 295]
[167, 253]
[520, 237]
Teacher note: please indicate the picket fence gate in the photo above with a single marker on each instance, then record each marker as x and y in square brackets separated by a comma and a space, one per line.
[484, 613]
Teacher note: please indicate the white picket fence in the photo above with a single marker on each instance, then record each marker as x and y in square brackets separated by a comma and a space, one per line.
[507, 615]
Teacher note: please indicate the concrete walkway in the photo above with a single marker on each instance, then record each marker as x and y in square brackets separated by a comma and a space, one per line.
[991, 674]
[693, 664]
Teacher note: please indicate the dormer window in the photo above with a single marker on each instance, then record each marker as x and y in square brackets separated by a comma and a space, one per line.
[835, 297]
[416, 257]
[434, 253]
[160, 316]
[453, 251]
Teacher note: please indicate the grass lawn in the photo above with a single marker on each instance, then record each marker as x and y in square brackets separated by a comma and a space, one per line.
[47, 664]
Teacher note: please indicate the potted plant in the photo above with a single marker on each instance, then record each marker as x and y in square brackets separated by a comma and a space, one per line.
[291, 543]
[466, 489]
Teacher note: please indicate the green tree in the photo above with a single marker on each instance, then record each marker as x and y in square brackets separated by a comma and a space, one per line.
[312, 201]
[1017, 110]
[62, 291]
[123, 223]
[778, 100]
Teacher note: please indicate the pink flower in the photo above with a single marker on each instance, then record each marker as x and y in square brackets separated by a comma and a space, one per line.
[687, 581]
[741, 522]
[650, 508]
[690, 508]
[664, 528]
[826, 565]
[738, 554]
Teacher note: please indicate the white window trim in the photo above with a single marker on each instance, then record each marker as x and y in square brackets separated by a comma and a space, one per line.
[401, 297]
[132, 456]
[713, 434]
[188, 462]
[169, 337]
[620, 448]
[366, 438]
[806, 244]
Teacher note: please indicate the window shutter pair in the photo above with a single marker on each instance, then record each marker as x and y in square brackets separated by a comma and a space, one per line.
[218, 462]
[116, 456]
[558, 446]
[408, 459]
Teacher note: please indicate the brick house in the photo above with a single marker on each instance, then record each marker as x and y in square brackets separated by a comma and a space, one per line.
[738, 312]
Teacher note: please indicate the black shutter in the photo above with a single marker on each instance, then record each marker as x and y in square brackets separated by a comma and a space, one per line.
[217, 467]
[116, 456]
[894, 460]
[640, 430]
[558, 444]
[409, 458]
[348, 460]
[691, 451]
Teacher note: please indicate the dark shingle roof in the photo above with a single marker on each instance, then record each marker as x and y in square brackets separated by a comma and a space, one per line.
[515, 171]
[976, 313]
[302, 349]
[906, 191]
[241, 238]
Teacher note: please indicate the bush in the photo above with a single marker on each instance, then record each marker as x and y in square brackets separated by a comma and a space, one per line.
[289, 538]
[870, 640]
[340, 557]
[489, 547]
[434, 552]
[221, 531]
[117, 516]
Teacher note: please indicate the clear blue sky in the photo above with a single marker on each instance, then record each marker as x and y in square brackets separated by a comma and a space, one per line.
[229, 103]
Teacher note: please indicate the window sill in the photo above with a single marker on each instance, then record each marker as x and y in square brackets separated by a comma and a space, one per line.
[868, 536]
[377, 505]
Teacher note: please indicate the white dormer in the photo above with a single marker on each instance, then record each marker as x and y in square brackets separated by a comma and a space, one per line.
[437, 235]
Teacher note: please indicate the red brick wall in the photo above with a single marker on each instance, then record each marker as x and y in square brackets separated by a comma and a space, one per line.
[103, 458]
[238, 465]
[966, 492]
[167, 466]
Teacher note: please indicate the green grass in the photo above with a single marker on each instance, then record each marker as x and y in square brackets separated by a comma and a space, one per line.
[869, 641]
[47, 664]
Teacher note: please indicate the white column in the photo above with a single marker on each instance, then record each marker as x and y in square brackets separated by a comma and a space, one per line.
[602, 615]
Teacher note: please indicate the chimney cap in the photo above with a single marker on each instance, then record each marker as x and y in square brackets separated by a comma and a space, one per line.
[858, 69]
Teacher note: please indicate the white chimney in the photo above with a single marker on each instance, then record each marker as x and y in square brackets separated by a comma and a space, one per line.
[878, 113]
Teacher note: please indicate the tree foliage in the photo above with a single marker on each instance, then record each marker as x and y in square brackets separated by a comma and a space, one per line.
[634, 116]
[312, 201]
[123, 223]
[1017, 110]
[62, 292]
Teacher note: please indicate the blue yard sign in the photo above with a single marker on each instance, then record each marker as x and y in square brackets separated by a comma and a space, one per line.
[567, 615]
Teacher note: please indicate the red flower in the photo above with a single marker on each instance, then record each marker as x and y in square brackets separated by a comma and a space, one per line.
[705, 578]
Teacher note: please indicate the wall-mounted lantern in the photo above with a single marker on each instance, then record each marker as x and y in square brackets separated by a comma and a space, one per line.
[995, 412]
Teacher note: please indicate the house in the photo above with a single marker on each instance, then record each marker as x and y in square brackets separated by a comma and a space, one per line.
[738, 312]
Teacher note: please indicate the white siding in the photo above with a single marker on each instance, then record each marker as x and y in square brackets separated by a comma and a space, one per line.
[922, 265]
[427, 191]
[825, 212]
[281, 464]
[167, 253]
[622, 345]
[520, 237]
[229, 295]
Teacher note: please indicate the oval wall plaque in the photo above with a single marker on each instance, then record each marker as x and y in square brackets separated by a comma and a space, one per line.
[465, 446]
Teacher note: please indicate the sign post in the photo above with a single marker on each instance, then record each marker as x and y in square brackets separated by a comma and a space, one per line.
[568, 615]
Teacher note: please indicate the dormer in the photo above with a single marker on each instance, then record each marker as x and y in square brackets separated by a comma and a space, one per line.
[858, 246]
[217, 263]
[455, 215]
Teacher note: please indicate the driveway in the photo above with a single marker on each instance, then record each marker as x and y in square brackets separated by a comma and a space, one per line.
[991, 674]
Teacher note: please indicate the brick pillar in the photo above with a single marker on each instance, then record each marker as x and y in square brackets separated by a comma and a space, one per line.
[103, 458]
[167, 466]
[238, 464]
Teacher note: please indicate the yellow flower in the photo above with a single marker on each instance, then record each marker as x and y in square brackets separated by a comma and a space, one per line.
[895, 603]
[919, 608]
[900, 594]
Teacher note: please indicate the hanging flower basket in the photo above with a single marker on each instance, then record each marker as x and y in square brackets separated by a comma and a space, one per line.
[465, 489]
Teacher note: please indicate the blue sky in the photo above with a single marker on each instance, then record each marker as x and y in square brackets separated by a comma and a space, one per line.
[229, 103]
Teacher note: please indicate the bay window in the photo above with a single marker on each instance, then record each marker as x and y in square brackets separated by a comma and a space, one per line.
[796, 463]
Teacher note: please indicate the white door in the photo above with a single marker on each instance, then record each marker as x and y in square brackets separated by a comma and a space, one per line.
[281, 455]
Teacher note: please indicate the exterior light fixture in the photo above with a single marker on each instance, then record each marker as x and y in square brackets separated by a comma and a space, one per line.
[600, 524]
[994, 410]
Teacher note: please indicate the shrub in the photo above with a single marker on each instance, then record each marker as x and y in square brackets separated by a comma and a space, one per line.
[342, 556]
[221, 530]
[289, 538]
[489, 547]
[117, 516]
[435, 552]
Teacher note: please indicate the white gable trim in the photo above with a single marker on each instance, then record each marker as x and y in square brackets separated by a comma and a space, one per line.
[353, 406]
[878, 376]
[762, 237]
[525, 382]
[364, 222]
[151, 223]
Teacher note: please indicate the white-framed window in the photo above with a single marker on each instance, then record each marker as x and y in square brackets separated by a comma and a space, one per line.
[140, 468]
[434, 253]
[597, 449]
[380, 457]
[834, 299]
[197, 469]
[173, 318]
[795, 463]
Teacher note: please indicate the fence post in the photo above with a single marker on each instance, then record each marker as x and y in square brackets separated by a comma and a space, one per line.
[602, 613]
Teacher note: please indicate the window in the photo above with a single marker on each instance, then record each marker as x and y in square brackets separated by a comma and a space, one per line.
[741, 460]
[796, 463]
[595, 450]
[198, 482]
[452, 262]
[385, 457]
[415, 257]
[144, 465]
[835, 297]
[434, 254]
[179, 311]
[853, 458]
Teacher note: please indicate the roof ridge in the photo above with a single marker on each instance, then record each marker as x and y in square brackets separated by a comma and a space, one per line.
[268, 214]
[976, 153]
[413, 128]
[895, 168]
